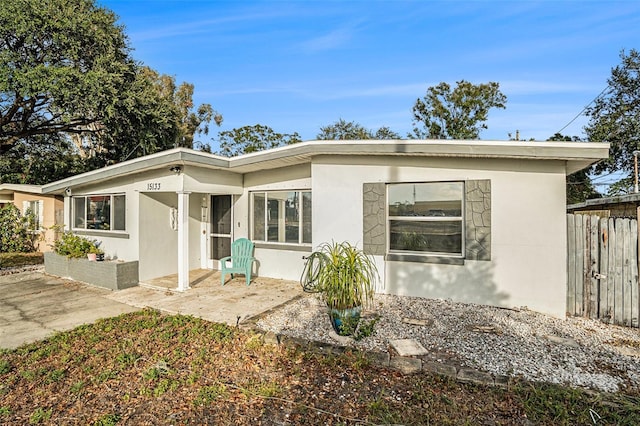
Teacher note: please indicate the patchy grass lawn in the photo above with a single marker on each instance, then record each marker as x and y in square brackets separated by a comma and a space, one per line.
[150, 368]
[10, 260]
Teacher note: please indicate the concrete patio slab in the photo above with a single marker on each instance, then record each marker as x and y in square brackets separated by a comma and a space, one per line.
[34, 306]
[232, 304]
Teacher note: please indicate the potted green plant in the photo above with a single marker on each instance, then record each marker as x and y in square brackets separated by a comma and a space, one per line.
[76, 246]
[95, 253]
[346, 282]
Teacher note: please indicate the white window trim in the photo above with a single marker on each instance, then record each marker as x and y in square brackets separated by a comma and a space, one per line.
[264, 242]
[111, 213]
[460, 218]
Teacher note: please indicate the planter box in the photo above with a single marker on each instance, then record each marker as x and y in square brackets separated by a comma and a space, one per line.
[113, 275]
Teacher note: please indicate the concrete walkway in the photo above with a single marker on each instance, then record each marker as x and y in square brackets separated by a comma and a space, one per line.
[34, 306]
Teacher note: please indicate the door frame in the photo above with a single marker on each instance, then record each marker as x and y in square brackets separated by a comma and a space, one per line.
[207, 235]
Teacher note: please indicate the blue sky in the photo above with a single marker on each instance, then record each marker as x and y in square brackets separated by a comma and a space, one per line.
[298, 65]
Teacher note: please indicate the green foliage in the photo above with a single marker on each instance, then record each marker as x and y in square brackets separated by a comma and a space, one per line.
[5, 366]
[455, 114]
[579, 185]
[221, 333]
[365, 328]
[157, 115]
[58, 75]
[72, 98]
[192, 123]
[77, 387]
[255, 138]
[107, 420]
[39, 160]
[343, 130]
[16, 231]
[40, 415]
[347, 277]
[614, 116]
[75, 246]
[208, 394]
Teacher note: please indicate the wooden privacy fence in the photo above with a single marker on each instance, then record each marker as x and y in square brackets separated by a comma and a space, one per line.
[603, 269]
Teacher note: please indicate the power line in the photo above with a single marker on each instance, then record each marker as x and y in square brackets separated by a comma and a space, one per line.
[583, 109]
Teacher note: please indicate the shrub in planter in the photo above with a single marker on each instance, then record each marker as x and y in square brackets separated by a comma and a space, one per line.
[76, 246]
[346, 282]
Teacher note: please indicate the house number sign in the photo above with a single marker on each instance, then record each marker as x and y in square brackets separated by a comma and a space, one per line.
[153, 186]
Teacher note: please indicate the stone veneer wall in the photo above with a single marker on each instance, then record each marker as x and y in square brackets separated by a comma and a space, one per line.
[477, 219]
[374, 218]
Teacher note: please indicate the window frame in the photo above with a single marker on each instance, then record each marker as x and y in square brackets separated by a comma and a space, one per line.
[37, 213]
[408, 254]
[112, 211]
[302, 218]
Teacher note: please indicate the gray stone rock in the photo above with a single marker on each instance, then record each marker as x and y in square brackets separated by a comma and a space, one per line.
[470, 375]
[405, 364]
[562, 340]
[408, 347]
[440, 368]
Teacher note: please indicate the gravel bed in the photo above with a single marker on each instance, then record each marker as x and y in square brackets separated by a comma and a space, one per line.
[517, 343]
[19, 269]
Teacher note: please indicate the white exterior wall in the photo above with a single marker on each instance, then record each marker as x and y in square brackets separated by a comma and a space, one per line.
[158, 241]
[275, 261]
[148, 237]
[528, 229]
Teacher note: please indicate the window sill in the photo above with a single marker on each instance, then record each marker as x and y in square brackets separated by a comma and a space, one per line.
[276, 246]
[98, 233]
[441, 260]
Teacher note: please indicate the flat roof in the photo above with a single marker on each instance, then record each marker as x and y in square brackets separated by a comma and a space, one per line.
[10, 188]
[578, 155]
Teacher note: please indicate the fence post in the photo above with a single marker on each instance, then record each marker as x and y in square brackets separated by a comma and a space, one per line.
[571, 267]
[603, 241]
[594, 264]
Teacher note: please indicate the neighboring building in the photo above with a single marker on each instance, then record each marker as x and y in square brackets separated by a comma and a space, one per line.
[47, 209]
[471, 221]
[618, 206]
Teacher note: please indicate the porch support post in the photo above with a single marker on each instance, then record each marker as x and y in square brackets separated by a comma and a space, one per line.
[183, 240]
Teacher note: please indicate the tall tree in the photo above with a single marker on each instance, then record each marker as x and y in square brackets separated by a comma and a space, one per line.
[614, 117]
[155, 115]
[455, 114]
[579, 184]
[46, 159]
[247, 139]
[193, 122]
[63, 64]
[350, 130]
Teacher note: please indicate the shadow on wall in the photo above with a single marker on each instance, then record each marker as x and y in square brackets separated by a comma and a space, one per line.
[472, 283]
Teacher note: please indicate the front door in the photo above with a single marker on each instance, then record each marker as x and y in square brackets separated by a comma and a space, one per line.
[221, 226]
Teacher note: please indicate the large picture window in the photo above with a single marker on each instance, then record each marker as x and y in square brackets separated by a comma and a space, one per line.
[281, 217]
[100, 212]
[426, 218]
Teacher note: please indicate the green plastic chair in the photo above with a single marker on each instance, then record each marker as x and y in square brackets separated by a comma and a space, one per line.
[241, 260]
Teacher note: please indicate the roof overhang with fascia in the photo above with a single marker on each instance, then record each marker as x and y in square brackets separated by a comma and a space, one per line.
[10, 188]
[577, 156]
[159, 160]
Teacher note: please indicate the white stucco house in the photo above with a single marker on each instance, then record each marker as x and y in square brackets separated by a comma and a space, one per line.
[471, 221]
